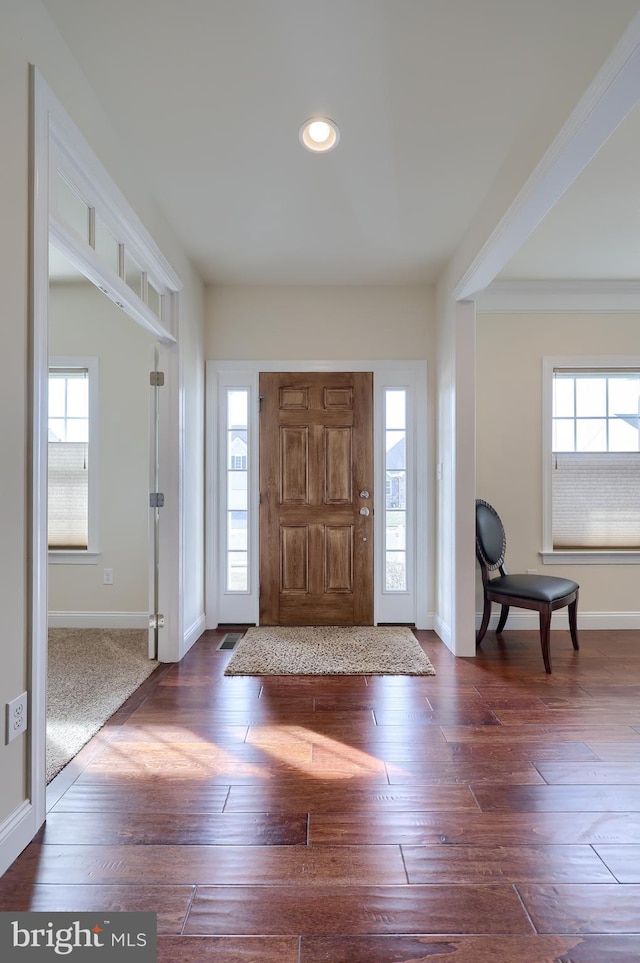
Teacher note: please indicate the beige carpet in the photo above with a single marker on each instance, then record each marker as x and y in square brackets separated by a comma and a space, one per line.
[329, 650]
[91, 672]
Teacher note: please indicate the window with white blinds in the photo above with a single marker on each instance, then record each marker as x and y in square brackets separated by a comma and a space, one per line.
[69, 457]
[595, 484]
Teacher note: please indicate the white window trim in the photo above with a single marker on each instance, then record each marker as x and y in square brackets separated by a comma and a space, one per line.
[90, 555]
[223, 488]
[66, 557]
[548, 555]
[396, 605]
[410, 607]
[223, 606]
[409, 491]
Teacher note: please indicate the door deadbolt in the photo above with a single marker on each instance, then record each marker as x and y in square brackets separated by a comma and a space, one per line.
[364, 493]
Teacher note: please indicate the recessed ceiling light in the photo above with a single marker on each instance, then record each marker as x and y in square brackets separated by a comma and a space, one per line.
[319, 134]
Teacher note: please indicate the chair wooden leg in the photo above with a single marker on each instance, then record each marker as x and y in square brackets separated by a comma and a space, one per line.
[502, 621]
[573, 623]
[486, 615]
[545, 637]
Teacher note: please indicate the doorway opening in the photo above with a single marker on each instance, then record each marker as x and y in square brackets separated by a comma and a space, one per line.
[79, 210]
[101, 538]
[243, 556]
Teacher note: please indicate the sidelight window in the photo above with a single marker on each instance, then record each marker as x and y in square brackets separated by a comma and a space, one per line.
[237, 490]
[395, 507]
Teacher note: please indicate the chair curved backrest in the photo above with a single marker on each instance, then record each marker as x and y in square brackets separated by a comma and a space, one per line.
[542, 593]
[491, 541]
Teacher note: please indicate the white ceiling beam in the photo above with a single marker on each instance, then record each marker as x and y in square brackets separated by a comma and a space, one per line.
[585, 297]
[614, 92]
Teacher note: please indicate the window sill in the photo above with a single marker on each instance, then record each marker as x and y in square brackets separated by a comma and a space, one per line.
[591, 557]
[73, 558]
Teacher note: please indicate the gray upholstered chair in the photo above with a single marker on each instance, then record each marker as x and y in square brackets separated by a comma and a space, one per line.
[543, 593]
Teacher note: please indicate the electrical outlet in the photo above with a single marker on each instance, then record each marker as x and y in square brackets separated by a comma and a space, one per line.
[532, 571]
[16, 717]
[107, 576]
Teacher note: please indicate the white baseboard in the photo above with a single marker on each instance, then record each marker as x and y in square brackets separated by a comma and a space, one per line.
[521, 620]
[193, 633]
[211, 623]
[442, 630]
[98, 620]
[16, 832]
[429, 622]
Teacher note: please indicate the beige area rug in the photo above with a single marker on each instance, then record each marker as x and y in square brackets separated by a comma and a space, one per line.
[91, 672]
[329, 650]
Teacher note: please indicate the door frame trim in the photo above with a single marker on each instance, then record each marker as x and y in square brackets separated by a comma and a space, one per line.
[51, 126]
[221, 374]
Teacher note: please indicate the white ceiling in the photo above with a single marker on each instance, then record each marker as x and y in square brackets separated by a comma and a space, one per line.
[432, 98]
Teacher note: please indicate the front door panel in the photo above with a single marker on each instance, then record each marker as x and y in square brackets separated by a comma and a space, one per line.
[316, 498]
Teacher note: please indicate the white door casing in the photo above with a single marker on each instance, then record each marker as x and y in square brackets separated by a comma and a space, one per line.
[59, 146]
[225, 607]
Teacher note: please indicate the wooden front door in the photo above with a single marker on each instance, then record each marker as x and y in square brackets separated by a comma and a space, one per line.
[316, 498]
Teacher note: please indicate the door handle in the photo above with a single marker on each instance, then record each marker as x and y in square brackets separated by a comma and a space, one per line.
[364, 511]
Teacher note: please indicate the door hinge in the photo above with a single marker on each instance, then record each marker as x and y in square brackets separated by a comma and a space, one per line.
[156, 379]
[156, 500]
[156, 621]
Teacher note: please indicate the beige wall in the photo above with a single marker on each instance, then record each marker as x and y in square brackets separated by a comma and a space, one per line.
[319, 323]
[510, 349]
[82, 321]
[27, 35]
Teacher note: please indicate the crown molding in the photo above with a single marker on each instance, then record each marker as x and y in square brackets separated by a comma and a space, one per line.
[592, 297]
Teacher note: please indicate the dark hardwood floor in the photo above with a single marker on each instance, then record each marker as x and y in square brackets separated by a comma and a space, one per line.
[489, 813]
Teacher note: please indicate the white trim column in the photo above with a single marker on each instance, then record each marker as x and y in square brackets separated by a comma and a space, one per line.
[464, 481]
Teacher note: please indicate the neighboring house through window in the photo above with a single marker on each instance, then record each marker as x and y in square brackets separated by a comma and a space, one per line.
[238, 457]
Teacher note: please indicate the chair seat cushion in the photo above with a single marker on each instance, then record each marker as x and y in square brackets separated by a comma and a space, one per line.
[539, 588]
